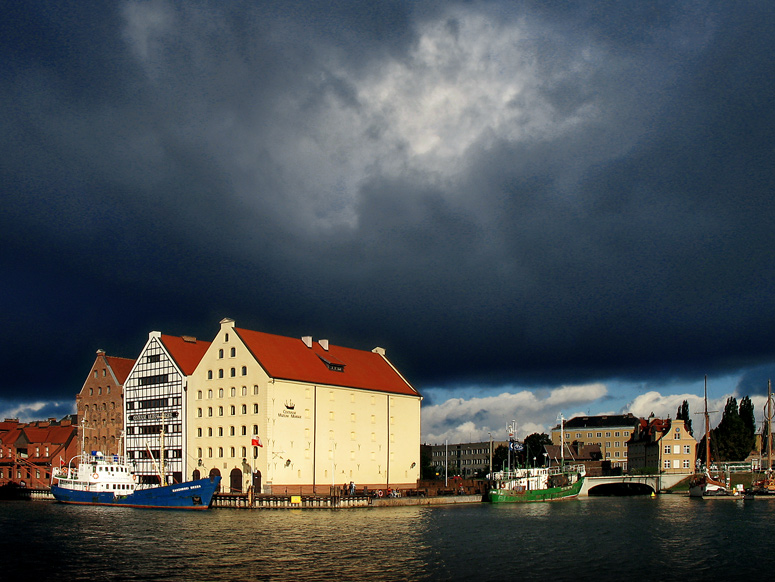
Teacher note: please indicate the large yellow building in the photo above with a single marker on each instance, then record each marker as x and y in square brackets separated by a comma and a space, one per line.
[662, 445]
[300, 416]
[609, 431]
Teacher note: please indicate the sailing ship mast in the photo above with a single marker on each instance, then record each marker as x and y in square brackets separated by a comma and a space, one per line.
[707, 428]
[769, 427]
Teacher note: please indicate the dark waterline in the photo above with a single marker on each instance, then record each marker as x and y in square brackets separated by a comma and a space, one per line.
[663, 538]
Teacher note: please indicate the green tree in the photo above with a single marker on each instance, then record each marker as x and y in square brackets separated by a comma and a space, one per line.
[748, 417]
[534, 447]
[732, 439]
[499, 456]
[683, 414]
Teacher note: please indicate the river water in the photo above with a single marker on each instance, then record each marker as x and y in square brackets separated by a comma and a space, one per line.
[669, 537]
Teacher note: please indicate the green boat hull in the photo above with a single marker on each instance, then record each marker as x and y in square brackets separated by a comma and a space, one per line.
[536, 495]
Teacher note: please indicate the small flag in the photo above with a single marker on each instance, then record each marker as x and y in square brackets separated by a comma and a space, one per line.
[256, 442]
[61, 462]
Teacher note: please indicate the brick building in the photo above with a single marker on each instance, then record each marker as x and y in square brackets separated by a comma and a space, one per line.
[28, 451]
[100, 404]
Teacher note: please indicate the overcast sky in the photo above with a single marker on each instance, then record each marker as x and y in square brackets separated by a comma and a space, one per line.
[535, 207]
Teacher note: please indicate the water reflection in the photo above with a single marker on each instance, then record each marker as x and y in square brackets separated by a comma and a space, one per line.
[611, 538]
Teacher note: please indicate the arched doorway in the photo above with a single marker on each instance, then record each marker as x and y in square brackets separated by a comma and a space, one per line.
[196, 475]
[257, 482]
[235, 481]
[213, 474]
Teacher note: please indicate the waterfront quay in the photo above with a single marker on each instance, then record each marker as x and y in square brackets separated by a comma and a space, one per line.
[245, 501]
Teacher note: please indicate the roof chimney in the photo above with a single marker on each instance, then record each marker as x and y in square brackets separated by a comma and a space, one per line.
[307, 339]
[323, 344]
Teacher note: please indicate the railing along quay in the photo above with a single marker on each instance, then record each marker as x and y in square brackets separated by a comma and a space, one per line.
[244, 501]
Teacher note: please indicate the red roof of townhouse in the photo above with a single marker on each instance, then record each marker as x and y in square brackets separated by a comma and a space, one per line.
[291, 359]
[121, 367]
[186, 351]
[49, 434]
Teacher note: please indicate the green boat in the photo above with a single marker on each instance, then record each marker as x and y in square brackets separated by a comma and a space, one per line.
[537, 484]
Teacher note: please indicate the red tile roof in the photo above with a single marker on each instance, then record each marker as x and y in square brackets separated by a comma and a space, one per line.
[186, 351]
[49, 434]
[121, 367]
[290, 359]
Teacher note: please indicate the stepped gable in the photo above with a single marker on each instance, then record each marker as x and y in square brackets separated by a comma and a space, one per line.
[323, 363]
[186, 351]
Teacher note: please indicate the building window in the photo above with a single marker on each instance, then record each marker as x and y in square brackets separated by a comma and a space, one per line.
[666, 464]
[199, 452]
[209, 411]
[220, 431]
[231, 431]
[244, 370]
[667, 450]
[231, 450]
[233, 353]
[210, 451]
[220, 451]
[233, 372]
[220, 354]
[244, 430]
[608, 435]
[255, 389]
[676, 449]
[244, 409]
[199, 412]
[687, 449]
[244, 451]
[616, 433]
[686, 464]
[599, 435]
[210, 394]
[209, 431]
[233, 410]
[199, 432]
[255, 409]
[199, 395]
[220, 411]
[220, 372]
[209, 374]
[233, 391]
[220, 392]
[244, 390]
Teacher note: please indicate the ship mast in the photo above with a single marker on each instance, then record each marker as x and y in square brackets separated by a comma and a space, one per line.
[707, 428]
[769, 427]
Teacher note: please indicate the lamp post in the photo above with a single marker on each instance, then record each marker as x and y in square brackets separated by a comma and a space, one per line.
[512, 429]
[546, 459]
[489, 433]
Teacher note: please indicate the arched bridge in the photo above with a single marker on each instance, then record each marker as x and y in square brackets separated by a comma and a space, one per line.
[630, 484]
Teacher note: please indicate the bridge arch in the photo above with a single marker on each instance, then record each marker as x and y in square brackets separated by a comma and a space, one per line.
[620, 489]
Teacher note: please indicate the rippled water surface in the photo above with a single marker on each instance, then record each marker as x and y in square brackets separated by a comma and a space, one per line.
[664, 538]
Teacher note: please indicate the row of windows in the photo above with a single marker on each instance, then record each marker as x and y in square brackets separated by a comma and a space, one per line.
[232, 452]
[99, 390]
[232, 392]
[676, 464]
[232, 430]
[232, 372]
[676, 449]
[599, 434]
[232, 352]
[232, 410]
[102, 406]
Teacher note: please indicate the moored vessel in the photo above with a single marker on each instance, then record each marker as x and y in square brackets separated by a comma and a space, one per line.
[537, 484]
[97, 479]
[710, 484]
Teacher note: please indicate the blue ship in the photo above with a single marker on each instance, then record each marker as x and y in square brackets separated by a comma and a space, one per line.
[109, 480]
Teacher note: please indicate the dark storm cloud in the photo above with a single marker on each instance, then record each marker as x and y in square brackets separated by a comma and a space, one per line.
[303, 169]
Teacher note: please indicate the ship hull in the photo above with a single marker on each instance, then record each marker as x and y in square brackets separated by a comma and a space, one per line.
[196, 495]
[536, 495]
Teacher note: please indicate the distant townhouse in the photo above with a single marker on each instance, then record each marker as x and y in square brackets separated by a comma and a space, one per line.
[282, 414]
[29, 450]
[155, 394]
[100, 404]
[662, 445]
[609, 431]
[464, 459]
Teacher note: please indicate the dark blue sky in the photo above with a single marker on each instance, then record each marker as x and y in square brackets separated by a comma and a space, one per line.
[502, 194]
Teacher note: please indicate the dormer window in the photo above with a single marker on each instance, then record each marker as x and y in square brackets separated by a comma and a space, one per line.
[332, 364]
